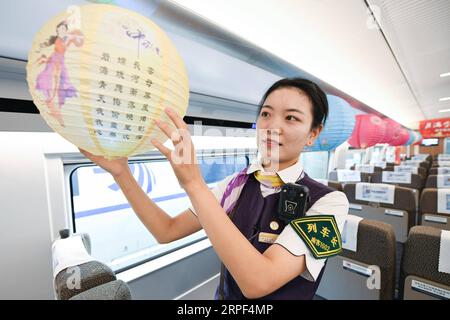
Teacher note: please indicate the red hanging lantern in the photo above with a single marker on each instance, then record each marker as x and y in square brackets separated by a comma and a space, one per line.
[401, 138]
[392, 130]
[369, 130]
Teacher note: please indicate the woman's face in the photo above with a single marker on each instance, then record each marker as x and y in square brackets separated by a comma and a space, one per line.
[61, 31]
[284, 126]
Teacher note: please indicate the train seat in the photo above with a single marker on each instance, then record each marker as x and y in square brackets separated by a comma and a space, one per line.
[438, 181]
[429, 210]
[401, 214]
[439, 170]
[420, 170]
[335, 185]
[421, 278]
[417, 181]
[78, 276]
[332, 184]
[366, 168]
[353, 177]
[366, 272]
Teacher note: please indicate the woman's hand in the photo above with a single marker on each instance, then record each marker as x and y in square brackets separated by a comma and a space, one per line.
[182, 159]
[76, 37]
[115, 167]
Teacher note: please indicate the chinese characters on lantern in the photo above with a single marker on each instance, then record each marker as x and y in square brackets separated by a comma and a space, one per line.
[113, 123]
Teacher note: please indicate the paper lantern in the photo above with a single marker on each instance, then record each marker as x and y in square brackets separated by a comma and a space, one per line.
[369, 130]
[417, 138]
[392, 132]
[100, 75]
[401, 138]
[411, 138]
[338, 127]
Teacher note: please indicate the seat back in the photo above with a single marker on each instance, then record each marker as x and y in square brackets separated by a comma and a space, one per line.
[113, 290]
[89, 275]
[335, 185]
[437, 164]
[431, 181]
[439, 170]
[420, 278]
[348, 275]
[429, 214]
[429, 158]
[375, 168]
[401, 214]
[332, 184]
[417, 181]
[333, 176]
[426, 165]
[420, 171]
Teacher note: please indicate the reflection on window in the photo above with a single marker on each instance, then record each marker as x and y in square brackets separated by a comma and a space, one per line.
[315, 164]
[118, 237]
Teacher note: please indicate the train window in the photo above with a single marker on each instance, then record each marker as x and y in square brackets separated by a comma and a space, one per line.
[315, 164]
[118, 237]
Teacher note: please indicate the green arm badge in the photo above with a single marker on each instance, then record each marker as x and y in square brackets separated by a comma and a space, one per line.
[320, 233]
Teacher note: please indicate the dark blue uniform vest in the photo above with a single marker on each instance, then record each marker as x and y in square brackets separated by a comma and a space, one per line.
[252, 215]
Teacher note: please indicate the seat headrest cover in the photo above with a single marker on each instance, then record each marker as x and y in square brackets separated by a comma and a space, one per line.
[375, 192]
[444, 252]
[69, 252]
[350, 233]
[344, 175]
[443, 200]
[443, 181]
[396, 177]
[443, 170]
[366, 168]
[405, 168]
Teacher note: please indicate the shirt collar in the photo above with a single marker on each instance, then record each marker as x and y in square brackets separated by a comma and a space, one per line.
[289, 175]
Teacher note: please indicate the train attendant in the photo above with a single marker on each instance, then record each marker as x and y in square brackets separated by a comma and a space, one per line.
[265, 253]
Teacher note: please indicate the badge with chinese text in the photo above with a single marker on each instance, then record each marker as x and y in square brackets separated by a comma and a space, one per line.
[320, 233]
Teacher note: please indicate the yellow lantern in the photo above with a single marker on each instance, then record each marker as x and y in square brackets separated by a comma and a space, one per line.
[100, 74]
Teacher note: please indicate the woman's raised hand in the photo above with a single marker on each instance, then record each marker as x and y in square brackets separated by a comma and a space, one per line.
[115, 167]
[183, 159]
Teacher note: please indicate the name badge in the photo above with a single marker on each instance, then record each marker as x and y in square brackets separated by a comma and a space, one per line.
[266, 237]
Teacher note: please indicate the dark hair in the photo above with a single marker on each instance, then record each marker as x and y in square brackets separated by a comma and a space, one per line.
[312, 90]
[52, 39]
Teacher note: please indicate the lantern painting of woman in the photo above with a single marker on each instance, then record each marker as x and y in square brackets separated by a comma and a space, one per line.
[100, 75]
[54, 80]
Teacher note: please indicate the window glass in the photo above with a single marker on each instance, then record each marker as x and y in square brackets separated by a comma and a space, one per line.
[118, 237]
[315, 164]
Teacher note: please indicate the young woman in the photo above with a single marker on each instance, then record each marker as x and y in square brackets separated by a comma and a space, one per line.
[263, 257]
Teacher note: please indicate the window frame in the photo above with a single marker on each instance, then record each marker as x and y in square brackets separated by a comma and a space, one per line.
[70, 164]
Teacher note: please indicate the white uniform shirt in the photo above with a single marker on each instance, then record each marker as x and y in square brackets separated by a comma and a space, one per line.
[334, 203]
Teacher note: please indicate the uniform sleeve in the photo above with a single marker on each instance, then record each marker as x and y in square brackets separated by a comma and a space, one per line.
[334, 203]
[218, 190]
